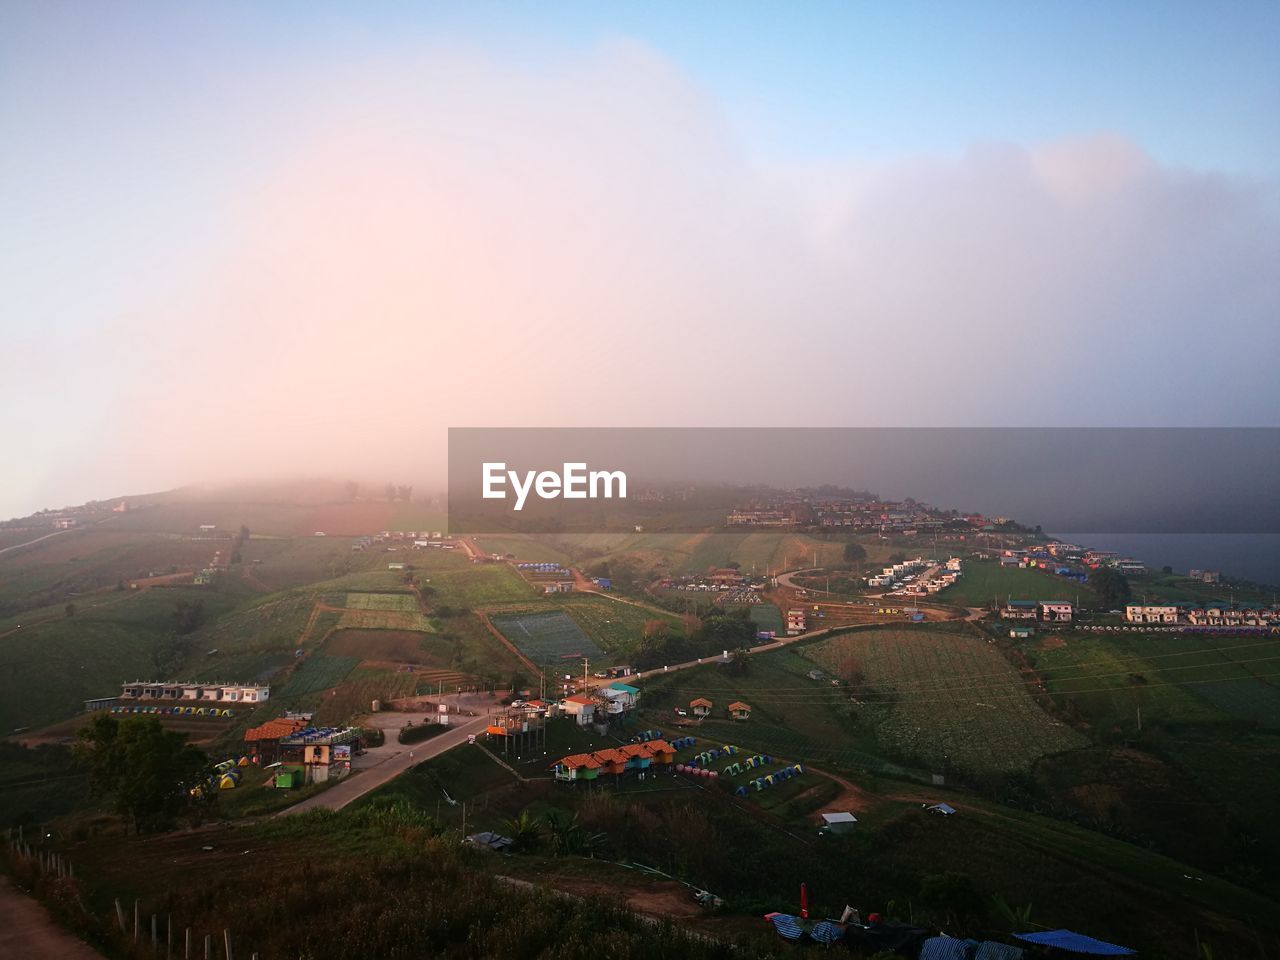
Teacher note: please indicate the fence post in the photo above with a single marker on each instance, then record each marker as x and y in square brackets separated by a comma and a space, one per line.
[168, 937]
[226, 941]
[135, 921]
[208, 946]
[124, 928]
[155, 940]
[186, 950]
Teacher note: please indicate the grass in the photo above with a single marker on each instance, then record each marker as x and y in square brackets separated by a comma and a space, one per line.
[546, 637]
[478, 586]
[986, 582]
[765, 616]
[48, 667]
[318, 672]
[945, 698]
[936, 698]
[384, 611]
[1094, 676]
[616, 626]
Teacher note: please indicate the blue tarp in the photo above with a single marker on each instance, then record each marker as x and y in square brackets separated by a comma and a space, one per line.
[826, 932]
[788, 927]
[1075, 943]
[945, 948]
[990, 950]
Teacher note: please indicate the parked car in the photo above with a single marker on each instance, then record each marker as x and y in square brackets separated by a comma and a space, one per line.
[681, 712]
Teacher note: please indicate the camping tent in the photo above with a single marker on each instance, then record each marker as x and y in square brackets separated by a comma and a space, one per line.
[945, 948]
[1075, 943]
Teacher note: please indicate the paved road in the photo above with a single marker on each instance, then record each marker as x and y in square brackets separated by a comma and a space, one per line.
[27, 930]
[19, 546]
[389, 761]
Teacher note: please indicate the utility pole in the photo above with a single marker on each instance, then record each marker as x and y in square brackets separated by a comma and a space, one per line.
[586, 665]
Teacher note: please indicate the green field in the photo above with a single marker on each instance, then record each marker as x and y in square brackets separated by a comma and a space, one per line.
[478, 586]
[547, 637]
[318, 672]
[384, 611]
[614, 625]
[766, 616]
[984, 583]
[50, 662]
[948, 698]
[1105, 679]
[937, 699]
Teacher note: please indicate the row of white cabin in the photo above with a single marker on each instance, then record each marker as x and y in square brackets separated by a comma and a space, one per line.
[221, 692]
[895, 575]
[1208, 614]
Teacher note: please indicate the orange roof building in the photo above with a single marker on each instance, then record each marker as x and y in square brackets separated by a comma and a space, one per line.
[265, 740]
[614, 760]
[739, 710]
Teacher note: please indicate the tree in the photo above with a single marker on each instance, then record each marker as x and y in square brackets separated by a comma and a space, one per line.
[524, 830]
[1111, 586]
[569, 838]
[146, 772]
[739, 662]
[854, 553]
[352, 488]
[70, 610]
[404, 491]
[390, 492]
[244, 533]
[187, 616]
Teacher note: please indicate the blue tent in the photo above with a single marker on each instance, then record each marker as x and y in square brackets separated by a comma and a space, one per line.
[788, 927]
[990, 950]
[1075, 943]
[945, 948]
[826, 931]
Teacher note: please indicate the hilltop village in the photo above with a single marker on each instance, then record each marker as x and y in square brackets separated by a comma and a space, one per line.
[915, 714]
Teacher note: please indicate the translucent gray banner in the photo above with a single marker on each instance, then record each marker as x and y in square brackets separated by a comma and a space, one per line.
[1122, 480]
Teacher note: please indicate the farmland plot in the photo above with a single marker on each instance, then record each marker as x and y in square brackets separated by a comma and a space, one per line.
[317, 673]
[384, 611]
[479, 586]
[614, 625]
[546, 638]
[947, 698]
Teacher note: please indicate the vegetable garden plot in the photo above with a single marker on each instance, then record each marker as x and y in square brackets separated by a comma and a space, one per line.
[546, 638]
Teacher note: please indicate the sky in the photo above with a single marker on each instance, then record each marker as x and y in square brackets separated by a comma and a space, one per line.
[245, 240]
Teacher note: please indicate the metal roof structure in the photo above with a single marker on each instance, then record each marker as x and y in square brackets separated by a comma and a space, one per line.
[1075, 943]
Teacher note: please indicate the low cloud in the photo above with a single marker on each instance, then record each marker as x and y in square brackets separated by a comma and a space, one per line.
[441, 239]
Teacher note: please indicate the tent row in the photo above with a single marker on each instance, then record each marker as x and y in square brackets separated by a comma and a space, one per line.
[707, 757]
[770, 780]
[177, 711]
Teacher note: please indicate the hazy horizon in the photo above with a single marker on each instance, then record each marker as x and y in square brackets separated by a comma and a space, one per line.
[249, 242]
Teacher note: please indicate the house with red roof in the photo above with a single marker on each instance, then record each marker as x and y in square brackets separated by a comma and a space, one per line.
[580, 766]
[579, 706]
[264, 740]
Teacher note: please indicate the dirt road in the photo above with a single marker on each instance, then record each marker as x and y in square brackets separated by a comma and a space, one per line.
[27, 930]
